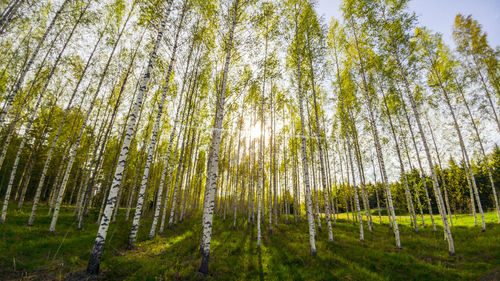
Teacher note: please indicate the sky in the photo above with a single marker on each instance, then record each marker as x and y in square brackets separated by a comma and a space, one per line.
[439, 15]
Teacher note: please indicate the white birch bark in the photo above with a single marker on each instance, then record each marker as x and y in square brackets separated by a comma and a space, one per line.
[54, 142]
[213, 159]
[437, 191]
[237, 172]
[178, 176]
[409, 201]
[321, 156]
[469, 172]
[167, 171]
[309, 207]
[17, 88]
[419, 162]
[406, 150]
[8, 14]
[33, 115]
[12, 126]
[483, 152]
[376, 140]
[359, 162]
[487, 92]
[152, 144]
[356, 196]
[95, 257]
[260, 180]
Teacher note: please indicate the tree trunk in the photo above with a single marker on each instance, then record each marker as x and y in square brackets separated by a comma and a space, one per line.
[95, 257]
[437, 191]
[483, 152]
[376, 140]
[152, 144]
[356, 197]
[17, 88]
[213, 158]
[470, 174]
[33, 115]
[237, 171]
[59, 130]
[409, 200]
[422, 174]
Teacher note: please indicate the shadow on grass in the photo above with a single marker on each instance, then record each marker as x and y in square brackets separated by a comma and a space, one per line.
[284, 255]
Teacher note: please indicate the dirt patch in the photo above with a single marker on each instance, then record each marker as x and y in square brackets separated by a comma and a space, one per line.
[82, 275]
[429, 259]
[485, 257]
[23, 275]
[490, 276]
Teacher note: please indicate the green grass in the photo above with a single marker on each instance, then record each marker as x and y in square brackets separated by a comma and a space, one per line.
[284, 254]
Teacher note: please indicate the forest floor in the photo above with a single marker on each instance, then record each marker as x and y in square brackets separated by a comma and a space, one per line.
[32, 253]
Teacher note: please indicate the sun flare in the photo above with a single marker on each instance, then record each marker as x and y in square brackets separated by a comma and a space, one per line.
[254, 131]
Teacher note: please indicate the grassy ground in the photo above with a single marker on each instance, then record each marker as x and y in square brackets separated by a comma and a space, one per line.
[34, 253]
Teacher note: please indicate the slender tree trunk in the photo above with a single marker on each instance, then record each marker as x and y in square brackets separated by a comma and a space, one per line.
[483, 152]
[314, 189]
[417, 195]
[17, 88]
[32, 118]
[296, 202]
[409, 200]
[95, 257]
[167, 166]
[17, 117]
[356, 197]
[343, 184]
[213, 158]
[470, 174]
[25, 182]
[422, 174]
[180, 168]
[59, 130]
[32, 157]
[8, 14]
[237, 171]
[487, 92]
[376, 191]
[376, 140]
[442, 177]
[309, 207]
[359, 162]
[152, 144]
[437, 191]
